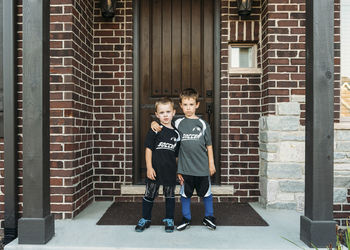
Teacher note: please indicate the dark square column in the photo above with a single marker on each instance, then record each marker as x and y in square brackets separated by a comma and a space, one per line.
[37, 224]
[317, 226]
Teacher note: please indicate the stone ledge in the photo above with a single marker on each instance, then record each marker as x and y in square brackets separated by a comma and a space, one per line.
[342, 126]
[140, 190]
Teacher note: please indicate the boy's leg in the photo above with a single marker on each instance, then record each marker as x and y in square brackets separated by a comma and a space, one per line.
[147, 202]
[169, 193]
[147, 205]
[186, 192]
[203, 188]
[208, 205]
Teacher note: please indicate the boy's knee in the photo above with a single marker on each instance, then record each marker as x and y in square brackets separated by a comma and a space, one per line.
[186, 193]
[169, 191]
[204, 191]
[151, 191]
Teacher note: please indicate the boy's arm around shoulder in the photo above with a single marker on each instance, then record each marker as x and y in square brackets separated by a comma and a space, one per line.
[156, 127]
[212, 169]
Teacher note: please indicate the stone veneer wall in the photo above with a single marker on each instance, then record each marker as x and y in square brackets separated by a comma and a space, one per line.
[282, 159]
[342, 172]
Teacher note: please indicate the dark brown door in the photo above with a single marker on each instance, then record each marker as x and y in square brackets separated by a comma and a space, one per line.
[176, 52]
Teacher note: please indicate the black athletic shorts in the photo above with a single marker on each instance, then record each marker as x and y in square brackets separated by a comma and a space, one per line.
[152, 188]
[200, 183]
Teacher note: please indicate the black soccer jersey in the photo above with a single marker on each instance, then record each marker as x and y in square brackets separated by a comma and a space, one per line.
[165, 147]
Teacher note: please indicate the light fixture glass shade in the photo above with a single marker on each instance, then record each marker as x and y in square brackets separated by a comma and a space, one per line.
[108, 8]
[244, 7]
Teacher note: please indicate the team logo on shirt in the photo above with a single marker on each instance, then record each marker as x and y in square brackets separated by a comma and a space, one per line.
[197, 128]
[167, 146]
[173, 139]
[193, 136]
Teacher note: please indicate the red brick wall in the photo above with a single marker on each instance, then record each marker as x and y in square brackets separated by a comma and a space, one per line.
[113, 105]
[113, 124]
[240, 110]
[283, 46]
[71, 106]
[283, 51]
[71, 93]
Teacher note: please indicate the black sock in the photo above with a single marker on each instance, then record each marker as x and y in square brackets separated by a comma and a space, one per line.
[147, 209]
[169, 208]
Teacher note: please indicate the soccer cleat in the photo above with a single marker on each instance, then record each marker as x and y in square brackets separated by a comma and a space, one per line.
[209, 221]
[142, 225]
[184, 224]
[169, 225]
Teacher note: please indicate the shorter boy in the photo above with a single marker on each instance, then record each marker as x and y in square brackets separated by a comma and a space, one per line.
[161, 152]
[196, 159]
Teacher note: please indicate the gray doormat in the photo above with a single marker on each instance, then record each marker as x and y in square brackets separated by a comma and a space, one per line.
[227, 214]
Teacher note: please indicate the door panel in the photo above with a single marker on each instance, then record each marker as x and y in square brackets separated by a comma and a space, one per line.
[176, 52]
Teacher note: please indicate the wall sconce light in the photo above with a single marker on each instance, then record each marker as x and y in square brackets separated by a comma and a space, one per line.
[244, 7]
[108, 8]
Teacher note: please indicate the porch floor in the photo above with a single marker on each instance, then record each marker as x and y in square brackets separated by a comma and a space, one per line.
[83, 233]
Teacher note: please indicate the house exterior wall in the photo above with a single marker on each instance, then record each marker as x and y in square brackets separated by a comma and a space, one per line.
[282, 162]
[240, 108]
[71, 105]
[113, 93]
[92, 93]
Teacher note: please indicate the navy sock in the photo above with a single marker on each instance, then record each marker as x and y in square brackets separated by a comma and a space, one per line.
[186, 207]
[147, 209]
[208, 205]
[169, 208]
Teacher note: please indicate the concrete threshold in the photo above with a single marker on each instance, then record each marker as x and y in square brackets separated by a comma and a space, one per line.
[140, 190]
[82, 233]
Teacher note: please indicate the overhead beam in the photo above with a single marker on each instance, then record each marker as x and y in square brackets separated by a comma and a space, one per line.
[317, 226]
[37, 224]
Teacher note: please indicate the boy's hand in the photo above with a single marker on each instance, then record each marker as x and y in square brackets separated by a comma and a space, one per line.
[181, 179]
[212, 170]
[156, 127]
[151, 174]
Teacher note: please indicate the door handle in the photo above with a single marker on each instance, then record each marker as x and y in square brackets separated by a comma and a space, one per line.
[209, 108]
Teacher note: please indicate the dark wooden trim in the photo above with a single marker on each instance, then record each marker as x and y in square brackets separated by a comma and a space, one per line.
[37, 224]
[317, 226]
[9, 77]
[136, 94]
[217, 106]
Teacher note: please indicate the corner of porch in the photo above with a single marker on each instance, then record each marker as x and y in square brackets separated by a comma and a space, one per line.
[83, 233]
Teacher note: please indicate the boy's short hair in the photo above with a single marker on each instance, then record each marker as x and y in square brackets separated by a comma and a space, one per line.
[189, 93]
[164, 100]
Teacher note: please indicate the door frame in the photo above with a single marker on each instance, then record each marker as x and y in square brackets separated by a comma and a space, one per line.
[136, 89]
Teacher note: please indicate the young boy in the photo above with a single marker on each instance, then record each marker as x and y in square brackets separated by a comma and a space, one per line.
[196, 160]
[161, 153]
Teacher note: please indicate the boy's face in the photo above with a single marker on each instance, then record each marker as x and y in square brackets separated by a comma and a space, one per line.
[165, 113]
[189, 106]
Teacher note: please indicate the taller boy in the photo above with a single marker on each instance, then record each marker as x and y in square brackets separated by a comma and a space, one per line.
[196, 160]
